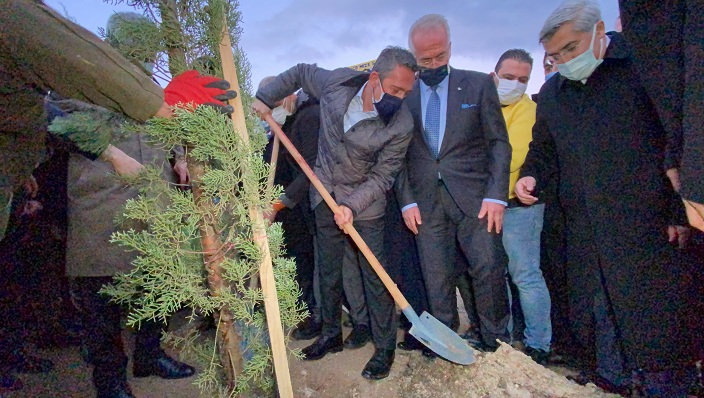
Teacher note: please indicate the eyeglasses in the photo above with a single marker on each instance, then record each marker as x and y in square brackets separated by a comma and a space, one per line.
[440, 59]
[566, 51]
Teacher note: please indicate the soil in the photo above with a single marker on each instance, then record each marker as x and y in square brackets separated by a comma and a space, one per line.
[506, 373]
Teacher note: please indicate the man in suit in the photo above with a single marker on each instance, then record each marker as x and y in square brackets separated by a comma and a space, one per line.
[453, 189]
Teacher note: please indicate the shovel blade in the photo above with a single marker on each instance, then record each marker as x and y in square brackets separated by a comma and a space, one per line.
[439, 338]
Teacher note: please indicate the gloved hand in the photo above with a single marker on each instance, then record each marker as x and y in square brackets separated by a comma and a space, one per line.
[191, 88]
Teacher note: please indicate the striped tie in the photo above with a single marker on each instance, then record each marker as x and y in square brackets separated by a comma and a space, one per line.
[432, 121]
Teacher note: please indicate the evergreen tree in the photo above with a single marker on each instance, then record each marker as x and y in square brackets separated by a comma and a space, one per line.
[199, 250]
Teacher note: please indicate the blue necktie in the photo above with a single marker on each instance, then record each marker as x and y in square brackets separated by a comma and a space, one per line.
[432, 120]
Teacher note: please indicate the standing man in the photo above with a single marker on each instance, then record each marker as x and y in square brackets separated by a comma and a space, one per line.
[598, 131]
[298, 115]
[365, 131]
[453, 188]
[523, 224]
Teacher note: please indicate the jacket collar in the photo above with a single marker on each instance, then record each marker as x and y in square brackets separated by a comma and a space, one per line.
[357, 80]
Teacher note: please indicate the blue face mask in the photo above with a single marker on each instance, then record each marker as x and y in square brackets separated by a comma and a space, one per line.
[387, 105]
[583, 65]
[549, 75]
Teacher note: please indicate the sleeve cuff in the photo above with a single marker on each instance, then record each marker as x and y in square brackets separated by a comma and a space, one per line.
[271, 106]
[286, 201]
[354, 212]
[406, 207]
[501, 202]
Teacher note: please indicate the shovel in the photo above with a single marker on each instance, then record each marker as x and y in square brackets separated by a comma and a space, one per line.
[428, 330]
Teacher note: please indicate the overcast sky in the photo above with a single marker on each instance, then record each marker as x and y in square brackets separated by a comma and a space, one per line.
[333, 33]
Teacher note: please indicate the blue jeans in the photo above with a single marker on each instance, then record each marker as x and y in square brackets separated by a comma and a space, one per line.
[522, 228]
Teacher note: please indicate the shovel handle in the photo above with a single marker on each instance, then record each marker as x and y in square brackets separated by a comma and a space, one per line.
[349, 228]
[273, 163]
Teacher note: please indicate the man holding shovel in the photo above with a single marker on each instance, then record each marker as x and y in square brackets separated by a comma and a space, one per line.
[365, 132]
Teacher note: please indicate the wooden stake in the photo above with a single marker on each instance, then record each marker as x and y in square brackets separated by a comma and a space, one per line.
[266, 273]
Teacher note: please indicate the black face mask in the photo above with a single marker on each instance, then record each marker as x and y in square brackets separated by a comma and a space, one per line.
[433, 77]
[387, 106]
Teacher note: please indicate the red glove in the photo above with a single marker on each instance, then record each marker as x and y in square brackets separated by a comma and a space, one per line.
[191, 88]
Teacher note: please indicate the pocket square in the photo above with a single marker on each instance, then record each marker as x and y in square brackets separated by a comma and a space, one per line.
[467, 106]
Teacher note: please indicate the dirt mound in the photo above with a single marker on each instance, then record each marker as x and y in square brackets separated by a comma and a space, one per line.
[505, 373]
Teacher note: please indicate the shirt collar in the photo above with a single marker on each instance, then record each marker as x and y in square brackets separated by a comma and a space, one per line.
[359, 93]
[360, 101]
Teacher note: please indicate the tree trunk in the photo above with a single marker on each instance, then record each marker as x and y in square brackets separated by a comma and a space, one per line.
[173, 36]
[227, 340]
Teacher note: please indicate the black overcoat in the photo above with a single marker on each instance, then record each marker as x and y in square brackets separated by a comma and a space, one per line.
[605, 141]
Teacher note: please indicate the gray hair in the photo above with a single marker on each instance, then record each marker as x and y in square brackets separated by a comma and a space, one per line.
[391, 57]
[427, 22]
[265, 81]
[583, 13]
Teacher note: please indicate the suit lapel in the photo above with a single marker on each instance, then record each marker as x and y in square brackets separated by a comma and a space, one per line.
[454, 104]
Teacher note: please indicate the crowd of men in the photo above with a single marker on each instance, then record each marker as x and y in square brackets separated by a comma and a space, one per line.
[555, 213]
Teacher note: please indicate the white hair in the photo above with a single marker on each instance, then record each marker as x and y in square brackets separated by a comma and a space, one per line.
[584, 14]
[428, 22]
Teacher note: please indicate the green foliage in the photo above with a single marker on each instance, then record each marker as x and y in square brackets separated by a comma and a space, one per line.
[92, 129]
[188, 36]
[169, 272]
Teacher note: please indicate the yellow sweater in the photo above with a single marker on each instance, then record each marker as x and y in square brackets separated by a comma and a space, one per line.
[520, 118]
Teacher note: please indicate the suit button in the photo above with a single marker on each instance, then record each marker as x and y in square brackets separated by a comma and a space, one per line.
[342, 140]
[437, 161]
[338, 162]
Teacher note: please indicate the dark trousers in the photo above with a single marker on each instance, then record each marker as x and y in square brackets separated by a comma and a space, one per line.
[401, 255]
[353, 284]
[332, 244]
[299, 230]
[102, 340]
[444, 227]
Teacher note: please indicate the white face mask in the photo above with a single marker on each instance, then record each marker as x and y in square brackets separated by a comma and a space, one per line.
[510, 91]
[280, 113]
[582, 66]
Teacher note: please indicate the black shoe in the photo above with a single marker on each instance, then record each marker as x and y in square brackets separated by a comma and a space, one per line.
[322, 346]
[118, 390]
[410, 343]
[359, 337]
[306, 330]
[164, 367]
[472, 336]
[483, 347]
[584, 378]
[428, 353]
[540, 357]
[379, 365]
